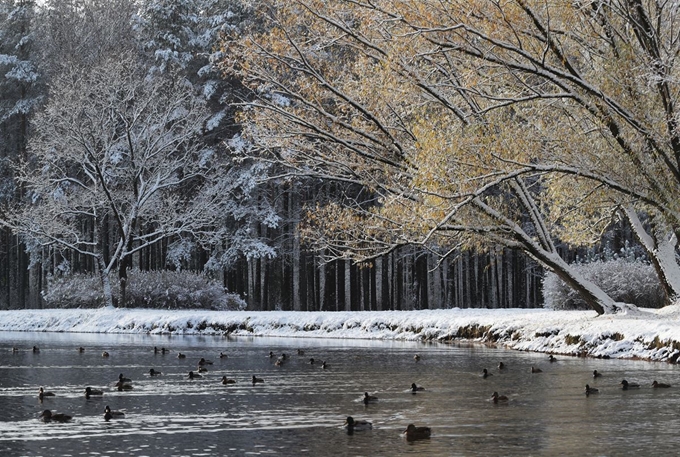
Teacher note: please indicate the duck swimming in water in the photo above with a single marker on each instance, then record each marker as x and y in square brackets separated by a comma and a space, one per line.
[417, 433]
[358, 425]
[257, 380]
[193, 375]
[625, 385]
[596, 374]
[415, 388]
[501, 365]
[552, 358]
[369, 398]
[536, 370]
[109, 414]
[42, 394]
[591, 390]
[153, 372]
[49, 416]
[89, 392]
[498, 398]
[660, 385]
[485, 373]
[226, 380]
[122, 378]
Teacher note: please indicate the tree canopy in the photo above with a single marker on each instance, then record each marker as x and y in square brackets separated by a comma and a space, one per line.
[473, 123]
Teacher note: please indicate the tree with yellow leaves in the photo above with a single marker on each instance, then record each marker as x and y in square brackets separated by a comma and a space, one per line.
[472, 123]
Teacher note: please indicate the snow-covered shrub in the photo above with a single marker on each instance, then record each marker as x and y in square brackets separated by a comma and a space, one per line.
[145, 289]
[74, 291]
[625, 281]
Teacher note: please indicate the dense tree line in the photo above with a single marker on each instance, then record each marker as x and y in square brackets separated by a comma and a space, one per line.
[167, 134]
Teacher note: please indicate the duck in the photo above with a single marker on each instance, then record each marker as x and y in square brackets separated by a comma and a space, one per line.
[300, 352]
[324, 365]
[485, 373]
[226, 380]
[81, 349]
[89, 392]
[271, 354]
[121, 386]
[109, 414]
[501, 365]
[181, 356]
[36, 349]
[278, 362]
[193, 375]
[155, 350]
[49, 416]
[552, 358]
[15, 350]
[415, 388]
[257, 380]
[42, 394]
[122, 378]
[625, 385]
[591, 390]
[352, 425]
[311, 360]
[284, 356]
[105, 354]
[660, 385]
[369, 398]
[596, 374]
[536, 370]
[416, 357]
[417, 433]
[204, 362]
[164, 351]
[153, 372]
[223, 355]
[498, 398]
[202, 369]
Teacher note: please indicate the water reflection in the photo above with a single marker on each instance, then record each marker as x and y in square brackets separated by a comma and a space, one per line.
[301, 408]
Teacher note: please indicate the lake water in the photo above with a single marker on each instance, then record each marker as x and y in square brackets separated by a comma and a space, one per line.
[300, 408]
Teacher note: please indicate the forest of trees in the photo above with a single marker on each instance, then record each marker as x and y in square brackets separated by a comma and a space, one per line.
[336, 155]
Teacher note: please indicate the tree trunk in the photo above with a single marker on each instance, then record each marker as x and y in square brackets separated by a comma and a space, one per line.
[106, 283]
[660, 246]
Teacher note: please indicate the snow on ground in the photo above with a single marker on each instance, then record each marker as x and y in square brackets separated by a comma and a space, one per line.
[645, 333]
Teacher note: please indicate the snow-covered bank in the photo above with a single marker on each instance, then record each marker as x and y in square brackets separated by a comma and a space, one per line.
[646, 334]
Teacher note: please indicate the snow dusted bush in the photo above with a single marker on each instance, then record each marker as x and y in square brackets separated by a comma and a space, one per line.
[145, 289]
[74, 291]
[626, 281]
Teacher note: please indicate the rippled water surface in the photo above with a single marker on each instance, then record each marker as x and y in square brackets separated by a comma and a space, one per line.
[300, 408]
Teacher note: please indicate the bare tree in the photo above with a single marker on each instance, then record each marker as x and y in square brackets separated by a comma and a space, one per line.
[117, 164]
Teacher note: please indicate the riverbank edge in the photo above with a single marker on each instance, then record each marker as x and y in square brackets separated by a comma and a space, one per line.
[643, 334]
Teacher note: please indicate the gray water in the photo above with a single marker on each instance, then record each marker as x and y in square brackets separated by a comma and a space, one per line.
[300, 408]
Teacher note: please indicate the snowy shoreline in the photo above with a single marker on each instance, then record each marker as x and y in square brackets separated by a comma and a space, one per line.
[641, 334]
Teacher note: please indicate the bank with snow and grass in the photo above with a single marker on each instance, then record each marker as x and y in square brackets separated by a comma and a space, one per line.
[648, 334]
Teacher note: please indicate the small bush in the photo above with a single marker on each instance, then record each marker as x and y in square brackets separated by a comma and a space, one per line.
[74, 291]
[145, 289]
[624, 281]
